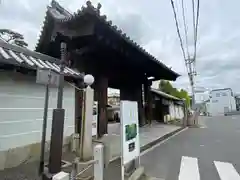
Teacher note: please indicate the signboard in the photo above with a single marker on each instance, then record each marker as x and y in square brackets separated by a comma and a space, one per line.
[129, 131]
[94, 121]
[47, 77]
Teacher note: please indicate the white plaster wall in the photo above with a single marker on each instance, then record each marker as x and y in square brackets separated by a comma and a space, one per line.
[21, 110]
[172, 110]
[175, 111]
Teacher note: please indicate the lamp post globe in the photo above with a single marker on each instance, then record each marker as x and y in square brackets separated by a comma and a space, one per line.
[88, 79]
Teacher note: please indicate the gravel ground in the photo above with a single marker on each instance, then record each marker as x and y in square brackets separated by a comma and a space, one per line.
[28, 170]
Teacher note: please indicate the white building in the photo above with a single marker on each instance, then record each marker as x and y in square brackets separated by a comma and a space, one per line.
[221, 100]
[201, 97]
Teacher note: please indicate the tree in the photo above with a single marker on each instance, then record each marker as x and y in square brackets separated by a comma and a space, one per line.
[184, 95]
[166, 86]
[12, 37]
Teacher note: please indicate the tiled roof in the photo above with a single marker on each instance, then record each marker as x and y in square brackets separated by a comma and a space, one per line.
[165, 94]
[23, 57]
[62, 16]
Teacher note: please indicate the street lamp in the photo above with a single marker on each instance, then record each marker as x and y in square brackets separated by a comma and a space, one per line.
[88, 79]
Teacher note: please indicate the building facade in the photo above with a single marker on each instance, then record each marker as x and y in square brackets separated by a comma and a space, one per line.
[114, 99]
[167, 107]
[221, 101]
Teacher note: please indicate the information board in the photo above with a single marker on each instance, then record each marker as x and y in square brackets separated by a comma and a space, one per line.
[129, 131]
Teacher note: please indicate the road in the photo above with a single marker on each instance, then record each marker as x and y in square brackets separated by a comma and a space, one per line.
[209, 153]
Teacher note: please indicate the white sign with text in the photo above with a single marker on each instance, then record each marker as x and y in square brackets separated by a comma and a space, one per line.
[129, 131]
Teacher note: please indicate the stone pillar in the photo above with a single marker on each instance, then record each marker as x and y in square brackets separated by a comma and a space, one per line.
[86, 136]
[102, 98]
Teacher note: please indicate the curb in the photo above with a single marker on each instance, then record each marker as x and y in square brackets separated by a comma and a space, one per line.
[153, 143]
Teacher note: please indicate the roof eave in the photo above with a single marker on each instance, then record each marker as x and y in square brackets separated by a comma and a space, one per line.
[90, 9]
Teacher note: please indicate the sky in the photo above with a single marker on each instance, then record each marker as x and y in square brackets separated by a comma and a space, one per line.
[152, 26]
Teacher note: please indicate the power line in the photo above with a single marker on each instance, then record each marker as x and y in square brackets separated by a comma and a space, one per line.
[196, 29]
[185, 28]
[194, 26]
[178, 31]
[189, 61]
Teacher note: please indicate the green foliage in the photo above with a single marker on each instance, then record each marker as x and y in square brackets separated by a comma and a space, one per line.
[167, 87]
[12, 37]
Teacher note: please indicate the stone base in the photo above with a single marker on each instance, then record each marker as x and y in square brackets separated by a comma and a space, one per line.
[20, 155]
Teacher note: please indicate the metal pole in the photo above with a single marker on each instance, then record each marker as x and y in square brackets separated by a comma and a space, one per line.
[44, 125]
[61, 83]
[55, 156]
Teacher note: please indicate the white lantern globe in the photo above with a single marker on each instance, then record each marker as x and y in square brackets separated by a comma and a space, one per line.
[88, 79]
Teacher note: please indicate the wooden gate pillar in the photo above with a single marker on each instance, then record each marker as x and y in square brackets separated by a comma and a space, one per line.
[101, 94]
[78, 107]
[149, 101]
[134, 93]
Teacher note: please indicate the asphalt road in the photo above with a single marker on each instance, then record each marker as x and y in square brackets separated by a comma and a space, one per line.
[209, 153]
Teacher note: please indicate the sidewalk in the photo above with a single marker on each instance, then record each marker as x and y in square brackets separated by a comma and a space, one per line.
[149, 136]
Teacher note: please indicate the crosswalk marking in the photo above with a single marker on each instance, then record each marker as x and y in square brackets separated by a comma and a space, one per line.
[226, 171]
[189, 169]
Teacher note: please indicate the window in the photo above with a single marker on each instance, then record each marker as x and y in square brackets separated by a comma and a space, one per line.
[94, 111]
[224, 94]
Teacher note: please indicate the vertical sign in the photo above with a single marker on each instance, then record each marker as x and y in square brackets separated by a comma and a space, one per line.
[95, 116]
[129, 131]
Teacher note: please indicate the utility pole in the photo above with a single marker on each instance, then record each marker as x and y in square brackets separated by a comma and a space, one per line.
[190, 64]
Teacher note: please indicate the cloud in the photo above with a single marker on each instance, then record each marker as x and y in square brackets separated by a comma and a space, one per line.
[152, 25]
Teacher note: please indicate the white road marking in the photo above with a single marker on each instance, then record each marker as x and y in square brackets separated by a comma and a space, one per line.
[189, 169]
[226, 171]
